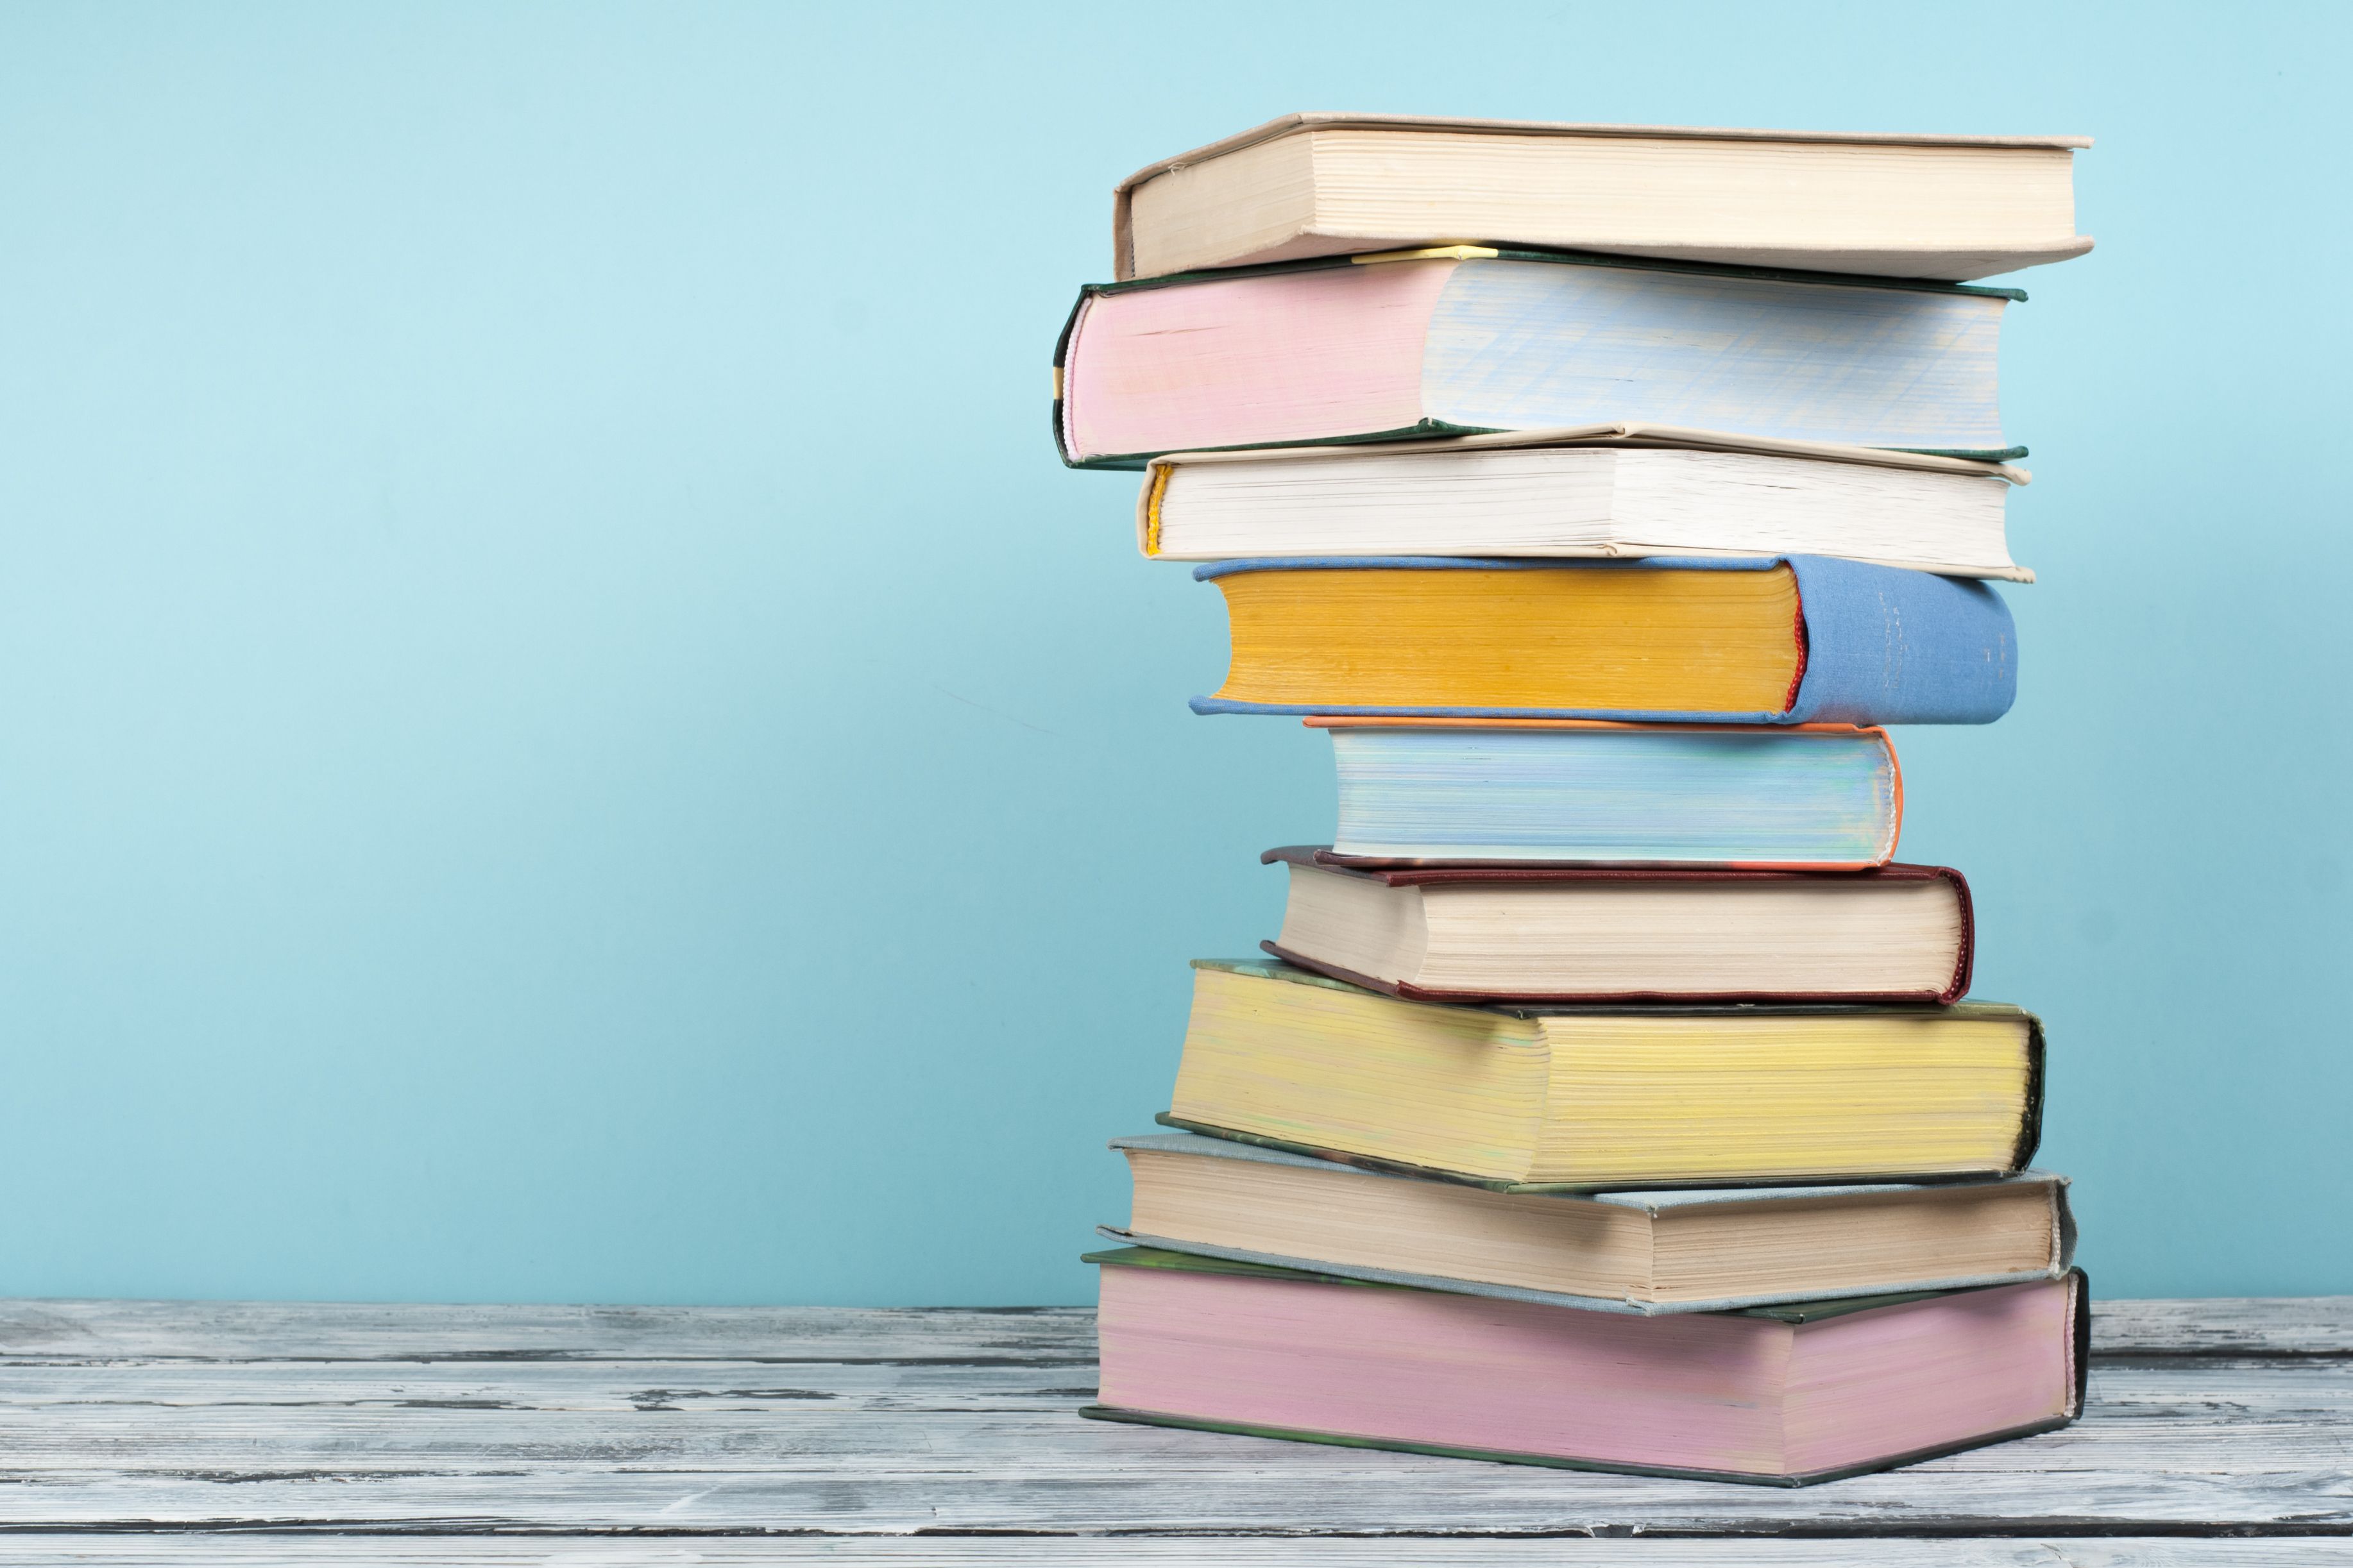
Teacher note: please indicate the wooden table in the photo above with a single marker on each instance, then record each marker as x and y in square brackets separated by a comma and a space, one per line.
[2218, 1432]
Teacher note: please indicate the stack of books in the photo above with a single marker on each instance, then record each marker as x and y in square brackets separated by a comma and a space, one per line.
[1608, 1099]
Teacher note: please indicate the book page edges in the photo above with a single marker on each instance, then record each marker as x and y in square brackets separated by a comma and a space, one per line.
[1627, 435]
[1652, 1201]
[1886, 744]
[1381, 1164]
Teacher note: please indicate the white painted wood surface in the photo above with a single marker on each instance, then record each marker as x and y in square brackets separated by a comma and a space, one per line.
[409, 1551]
[2219, 1432]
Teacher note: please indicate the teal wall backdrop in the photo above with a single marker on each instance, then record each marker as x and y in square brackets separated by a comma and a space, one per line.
[564, 735]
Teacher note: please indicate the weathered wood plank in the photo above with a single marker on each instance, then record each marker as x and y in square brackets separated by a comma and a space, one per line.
[430, 1392]
[979, 1448]
[103, 1393]
[281, 1552]
[2225, 1325]
[274, 1330]
[894, 1474]
[120, 1392]
[73, 1331]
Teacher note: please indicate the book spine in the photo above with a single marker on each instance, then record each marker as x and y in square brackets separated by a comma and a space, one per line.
[1965, 960]
[2030, 1129]
[1885, 646]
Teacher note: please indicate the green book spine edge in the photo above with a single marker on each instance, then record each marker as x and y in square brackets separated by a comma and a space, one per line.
[1135, 462]
[2030, 1126]
[1492, 1456]
[1974, 454]
[2082, 1283]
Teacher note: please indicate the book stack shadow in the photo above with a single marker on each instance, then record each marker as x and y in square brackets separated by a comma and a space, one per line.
[1611, 1096]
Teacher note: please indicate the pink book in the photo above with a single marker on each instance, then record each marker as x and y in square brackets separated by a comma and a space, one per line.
[1466, 340]
[1777, 1396]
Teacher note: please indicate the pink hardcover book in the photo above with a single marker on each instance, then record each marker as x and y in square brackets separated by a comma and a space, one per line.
[1463, 341]
[1778, 1395]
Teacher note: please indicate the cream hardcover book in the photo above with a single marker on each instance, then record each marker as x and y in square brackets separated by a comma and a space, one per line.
[1607, 491]
[1893, 205]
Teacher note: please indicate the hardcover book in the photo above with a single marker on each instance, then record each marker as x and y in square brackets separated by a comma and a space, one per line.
[1324, 184]
[1701, 1250]
[1594, 1096]
[1506, 792]
[1798, 640]
[1784, 1396]
[1614, 492]
[1517, 933]
[1470, 341]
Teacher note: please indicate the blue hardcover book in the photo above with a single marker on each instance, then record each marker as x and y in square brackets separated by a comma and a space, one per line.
[1790, 639]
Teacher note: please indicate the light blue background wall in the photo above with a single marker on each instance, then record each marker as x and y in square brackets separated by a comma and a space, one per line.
[564, 736]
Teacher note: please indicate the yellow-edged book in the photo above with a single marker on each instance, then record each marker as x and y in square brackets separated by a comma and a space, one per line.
[1507, 637]
[1568, 1097]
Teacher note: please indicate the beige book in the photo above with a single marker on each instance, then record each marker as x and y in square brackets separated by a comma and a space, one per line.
[1948, 207]
[1709, 1249]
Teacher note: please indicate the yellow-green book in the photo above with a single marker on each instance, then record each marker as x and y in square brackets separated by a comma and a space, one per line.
[1579, 1097]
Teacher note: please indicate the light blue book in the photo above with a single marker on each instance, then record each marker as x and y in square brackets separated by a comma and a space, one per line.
[1576, 793]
